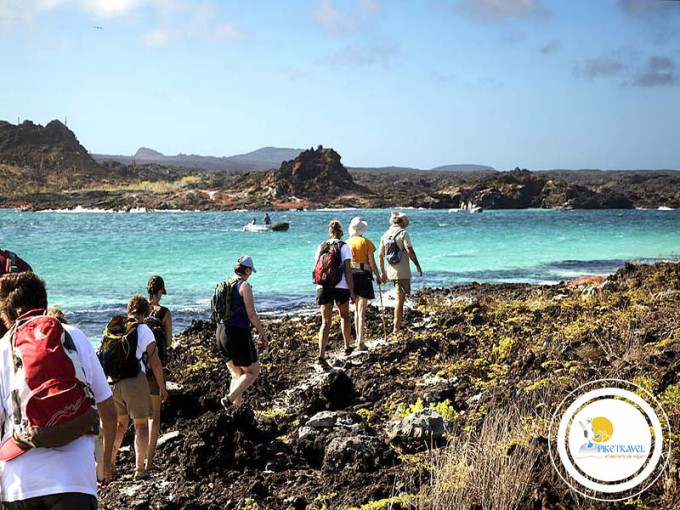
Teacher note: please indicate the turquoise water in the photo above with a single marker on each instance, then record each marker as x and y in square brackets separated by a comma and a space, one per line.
[93, 262]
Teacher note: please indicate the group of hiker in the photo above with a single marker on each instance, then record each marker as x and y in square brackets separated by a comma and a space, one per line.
[59, 399]
[58, 395]
[343, 273]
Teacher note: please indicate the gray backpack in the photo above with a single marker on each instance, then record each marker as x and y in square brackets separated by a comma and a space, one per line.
[392, 252]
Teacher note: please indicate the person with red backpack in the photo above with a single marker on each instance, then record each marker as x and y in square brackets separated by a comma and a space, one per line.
[10, 263]
[50, 378]
[159, 321]
[334, 284]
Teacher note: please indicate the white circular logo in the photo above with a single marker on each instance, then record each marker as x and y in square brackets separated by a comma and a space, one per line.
[607, 441]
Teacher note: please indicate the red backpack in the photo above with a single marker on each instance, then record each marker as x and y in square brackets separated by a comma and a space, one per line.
[10, 262]
[329, 268]
[52, 404]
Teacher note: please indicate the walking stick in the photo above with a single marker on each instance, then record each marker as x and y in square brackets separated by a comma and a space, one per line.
[382, 312]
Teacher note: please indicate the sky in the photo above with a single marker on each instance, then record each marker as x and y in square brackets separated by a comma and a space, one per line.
[537, 84]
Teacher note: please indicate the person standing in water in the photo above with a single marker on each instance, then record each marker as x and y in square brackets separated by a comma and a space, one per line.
[159, 321]
[234, 336]
[363, 269]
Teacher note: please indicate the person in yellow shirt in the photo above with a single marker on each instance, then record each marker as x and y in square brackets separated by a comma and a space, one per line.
[363, 269]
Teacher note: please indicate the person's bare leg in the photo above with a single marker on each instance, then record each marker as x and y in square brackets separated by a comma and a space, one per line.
[357, 312]
[154, 429]
[123, 422]
[360, 316]
[326, 316]
[246, 380]
[141, 443]
[399, 311]
[235, 372]
[346, 324]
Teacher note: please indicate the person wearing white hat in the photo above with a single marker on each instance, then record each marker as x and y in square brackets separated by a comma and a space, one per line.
[393, 245]
[363, 268]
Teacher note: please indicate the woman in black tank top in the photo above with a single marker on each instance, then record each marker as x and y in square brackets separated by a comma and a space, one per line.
[160, 317]
[234, 338]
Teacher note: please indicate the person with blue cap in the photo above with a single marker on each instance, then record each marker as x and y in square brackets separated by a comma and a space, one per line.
[235, 317]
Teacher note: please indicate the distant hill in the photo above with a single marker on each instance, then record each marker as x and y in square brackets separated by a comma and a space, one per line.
[463, 168]
[266, 158]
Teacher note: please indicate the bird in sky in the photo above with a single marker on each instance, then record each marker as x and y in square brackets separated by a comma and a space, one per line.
[97, 27]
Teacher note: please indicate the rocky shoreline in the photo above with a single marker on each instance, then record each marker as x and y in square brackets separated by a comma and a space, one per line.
[46, 168]
[379, 429]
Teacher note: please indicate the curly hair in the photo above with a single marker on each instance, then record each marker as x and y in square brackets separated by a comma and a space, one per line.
[138, 305]
[20, 293]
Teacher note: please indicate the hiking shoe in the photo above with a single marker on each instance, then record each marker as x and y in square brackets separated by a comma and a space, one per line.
[362, 348]
[226, 403]
[141, 474]
[349, 351]
[323, 362]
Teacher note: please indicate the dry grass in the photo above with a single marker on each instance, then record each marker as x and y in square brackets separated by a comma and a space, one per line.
[486, 469]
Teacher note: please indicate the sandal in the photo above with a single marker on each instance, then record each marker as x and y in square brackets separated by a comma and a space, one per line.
[323, 362]
[349, 351]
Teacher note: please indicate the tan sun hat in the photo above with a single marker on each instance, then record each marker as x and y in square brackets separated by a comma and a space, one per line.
[399, 216]
[357, 226]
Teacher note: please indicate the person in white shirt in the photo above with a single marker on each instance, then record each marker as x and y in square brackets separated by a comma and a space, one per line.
[340, 294]
[51, 478]
[132, 396]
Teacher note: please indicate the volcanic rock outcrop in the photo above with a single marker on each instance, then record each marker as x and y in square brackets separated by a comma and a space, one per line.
[315, 175]
[521, 189]
[52, 147]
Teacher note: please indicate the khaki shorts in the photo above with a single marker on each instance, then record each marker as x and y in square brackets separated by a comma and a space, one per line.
[131, 396]
[403, 286]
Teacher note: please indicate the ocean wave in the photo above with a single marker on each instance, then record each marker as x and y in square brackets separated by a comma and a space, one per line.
[81, 210]
[336, 209]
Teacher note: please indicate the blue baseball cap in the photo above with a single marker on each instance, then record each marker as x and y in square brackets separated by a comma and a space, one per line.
[246, 261]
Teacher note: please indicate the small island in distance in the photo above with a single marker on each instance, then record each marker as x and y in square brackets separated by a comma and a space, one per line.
[45, 167]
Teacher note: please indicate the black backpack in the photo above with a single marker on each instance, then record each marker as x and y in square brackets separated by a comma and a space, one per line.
[220, 304]
[155, 323]
[328, 269]
[118, 350]
[392, 252]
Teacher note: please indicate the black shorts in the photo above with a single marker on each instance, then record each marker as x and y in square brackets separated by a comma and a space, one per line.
[237, 345]
[61, 501]
[363, 284]
[328, 296]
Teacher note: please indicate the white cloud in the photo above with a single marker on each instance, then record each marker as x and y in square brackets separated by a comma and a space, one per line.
[110, 8]
[498, 10]
[333, 21]
[162, 21]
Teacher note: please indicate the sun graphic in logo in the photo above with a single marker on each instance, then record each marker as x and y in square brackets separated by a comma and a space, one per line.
[602, 429]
